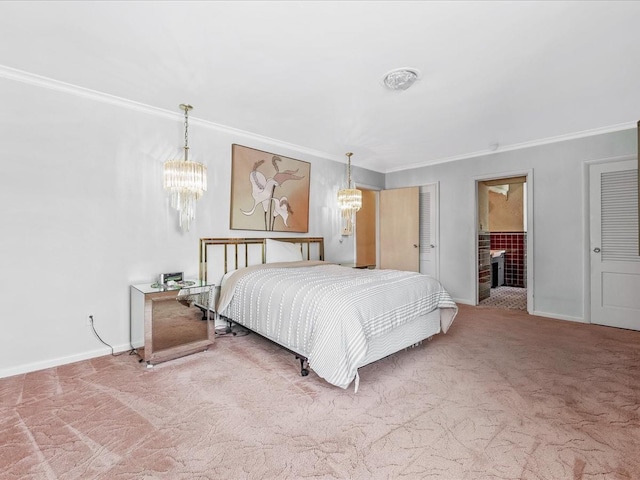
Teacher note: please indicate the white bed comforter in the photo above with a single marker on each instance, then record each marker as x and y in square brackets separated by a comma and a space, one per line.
[327, 312]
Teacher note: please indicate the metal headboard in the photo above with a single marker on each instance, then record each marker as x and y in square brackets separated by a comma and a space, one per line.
[243, 252]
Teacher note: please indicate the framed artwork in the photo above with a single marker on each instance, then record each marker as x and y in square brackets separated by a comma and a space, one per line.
[269, 192]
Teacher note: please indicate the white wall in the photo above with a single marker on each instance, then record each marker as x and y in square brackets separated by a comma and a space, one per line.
[84, 214]
[558, 209]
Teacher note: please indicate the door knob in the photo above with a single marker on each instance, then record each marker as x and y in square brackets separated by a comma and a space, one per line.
[415, 245]
[596, 250]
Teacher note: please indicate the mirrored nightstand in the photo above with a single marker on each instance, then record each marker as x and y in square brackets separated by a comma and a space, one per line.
[170, 322]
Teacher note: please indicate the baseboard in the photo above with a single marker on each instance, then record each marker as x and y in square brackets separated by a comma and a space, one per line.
[56, 362]
[537, 313]
[559, 317]
[464, 301]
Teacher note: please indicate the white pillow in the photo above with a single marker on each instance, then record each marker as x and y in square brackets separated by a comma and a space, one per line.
[282, 252]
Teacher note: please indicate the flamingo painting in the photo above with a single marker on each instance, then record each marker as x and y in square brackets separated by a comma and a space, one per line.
[271, 197]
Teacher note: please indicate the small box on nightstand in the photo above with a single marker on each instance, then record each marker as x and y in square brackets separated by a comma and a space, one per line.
[170, 277]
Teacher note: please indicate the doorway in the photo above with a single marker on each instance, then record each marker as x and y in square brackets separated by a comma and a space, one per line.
[502, 243]
[367, 230]
[399, 223]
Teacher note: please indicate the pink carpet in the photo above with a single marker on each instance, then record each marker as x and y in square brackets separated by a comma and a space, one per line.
[503, 395]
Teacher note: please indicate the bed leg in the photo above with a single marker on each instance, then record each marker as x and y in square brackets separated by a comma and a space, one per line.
[304, 371]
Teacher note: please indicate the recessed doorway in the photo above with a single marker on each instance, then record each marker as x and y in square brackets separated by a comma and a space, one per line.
[502, 243]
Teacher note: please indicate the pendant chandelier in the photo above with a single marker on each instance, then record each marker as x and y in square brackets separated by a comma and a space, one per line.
[185, 180]
[349, 199]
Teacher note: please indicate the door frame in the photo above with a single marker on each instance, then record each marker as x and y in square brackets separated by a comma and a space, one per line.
[377, 189]
[586, 201]
[530, 273]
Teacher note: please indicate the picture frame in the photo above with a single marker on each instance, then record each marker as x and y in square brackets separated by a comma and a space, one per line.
[269, 192]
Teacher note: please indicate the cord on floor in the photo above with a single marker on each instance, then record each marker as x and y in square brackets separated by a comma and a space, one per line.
[131, 352]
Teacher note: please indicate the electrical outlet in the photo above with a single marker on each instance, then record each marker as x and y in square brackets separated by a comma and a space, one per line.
[87, 319]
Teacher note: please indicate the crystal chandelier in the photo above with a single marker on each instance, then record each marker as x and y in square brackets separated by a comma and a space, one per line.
[349, 199]
[185, 180]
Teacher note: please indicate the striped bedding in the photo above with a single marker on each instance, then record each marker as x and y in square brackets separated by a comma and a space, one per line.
[327, 312]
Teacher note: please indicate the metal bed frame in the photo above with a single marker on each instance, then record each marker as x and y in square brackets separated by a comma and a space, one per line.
[241, 246]
[244, 252]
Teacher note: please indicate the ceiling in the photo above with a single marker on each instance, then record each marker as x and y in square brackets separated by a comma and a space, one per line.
[494, 75]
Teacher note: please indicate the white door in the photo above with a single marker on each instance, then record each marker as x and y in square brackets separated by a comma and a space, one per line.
[429, 230]
[615, 263]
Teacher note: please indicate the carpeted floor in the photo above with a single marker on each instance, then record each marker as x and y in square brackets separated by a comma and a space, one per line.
[512, 298]
[503, 395]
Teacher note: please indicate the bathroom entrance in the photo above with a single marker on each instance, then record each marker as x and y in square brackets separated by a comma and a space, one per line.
[502, 243]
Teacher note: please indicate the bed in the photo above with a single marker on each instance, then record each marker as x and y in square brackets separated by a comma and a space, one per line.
[336, 319]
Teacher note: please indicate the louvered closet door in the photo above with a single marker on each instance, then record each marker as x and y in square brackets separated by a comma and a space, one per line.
[429, 230]
[615, 264]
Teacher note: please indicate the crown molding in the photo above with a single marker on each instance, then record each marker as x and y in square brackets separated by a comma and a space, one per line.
[71, 89]
[518, 146]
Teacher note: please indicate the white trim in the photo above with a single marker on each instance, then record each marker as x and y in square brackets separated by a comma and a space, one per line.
[44, 82]
[519, 146]
[68, 88]
[437, 222]
[465, 301]
[56, 362]
[530, 263]
[536, 313]
[586, 263]
[559, 317]
[621, 158]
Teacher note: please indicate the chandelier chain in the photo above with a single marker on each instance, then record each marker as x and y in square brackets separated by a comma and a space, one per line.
[186, 128]
[186, 108]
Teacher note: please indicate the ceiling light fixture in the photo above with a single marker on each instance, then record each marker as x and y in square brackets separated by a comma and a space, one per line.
[185, 180]
[400, 78]
[349, 199]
